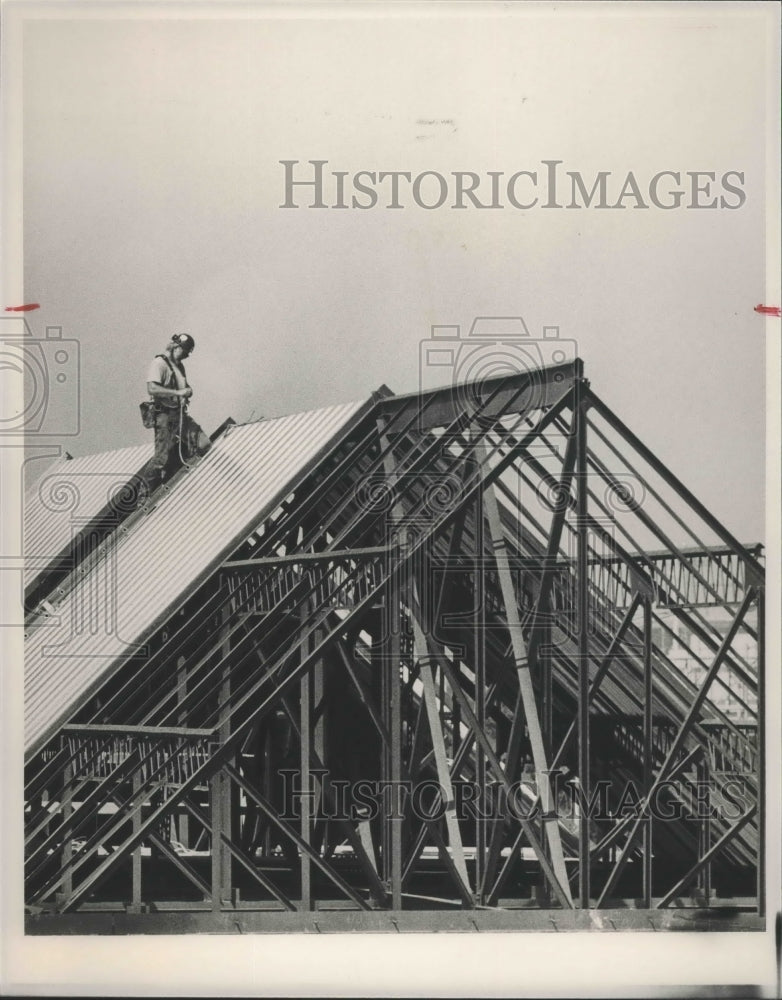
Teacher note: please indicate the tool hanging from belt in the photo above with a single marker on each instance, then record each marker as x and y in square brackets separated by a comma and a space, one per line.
[182, 407]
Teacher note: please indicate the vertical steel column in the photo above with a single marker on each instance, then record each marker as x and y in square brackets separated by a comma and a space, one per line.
[761, 752]
[380, 670]
[479, 642]
[135, 904]
[318, 692]
[267, 748]
[648, 760]
[704, 830]
[391, 657]
[228, 791]
[305, 799]
[582, 581]
[392, 665]
[544, 659]
[216, 783]
[183, 826]
[220, 785]
[67, 812]
[320, 832]
[544, 653]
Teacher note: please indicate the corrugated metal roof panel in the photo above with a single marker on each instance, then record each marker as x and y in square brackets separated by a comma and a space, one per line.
[151, 563]
[69, 495]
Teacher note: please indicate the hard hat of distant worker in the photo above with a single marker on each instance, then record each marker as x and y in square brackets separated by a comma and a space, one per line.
[185, 341]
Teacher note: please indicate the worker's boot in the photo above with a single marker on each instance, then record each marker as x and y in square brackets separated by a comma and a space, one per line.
[153, 480]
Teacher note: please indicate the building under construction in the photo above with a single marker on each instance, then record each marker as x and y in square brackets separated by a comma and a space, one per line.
[465, 659]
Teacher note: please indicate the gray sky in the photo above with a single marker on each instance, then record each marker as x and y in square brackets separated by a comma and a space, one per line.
[152, 183]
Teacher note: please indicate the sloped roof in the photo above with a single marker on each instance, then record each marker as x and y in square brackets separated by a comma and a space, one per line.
[149, 564]
[69, 495]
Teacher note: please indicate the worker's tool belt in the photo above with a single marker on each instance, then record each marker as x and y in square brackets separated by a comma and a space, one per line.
[167, 402]
[147, 413]
[151, 406]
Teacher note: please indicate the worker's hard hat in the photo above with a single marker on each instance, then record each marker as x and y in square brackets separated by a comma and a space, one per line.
[185, 341]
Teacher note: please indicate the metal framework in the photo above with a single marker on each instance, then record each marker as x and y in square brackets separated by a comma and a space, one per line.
[488, 665]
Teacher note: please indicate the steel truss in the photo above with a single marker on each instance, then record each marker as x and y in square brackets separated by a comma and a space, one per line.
[471, 663]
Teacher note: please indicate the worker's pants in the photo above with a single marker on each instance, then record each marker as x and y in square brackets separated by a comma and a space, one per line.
[166, 459]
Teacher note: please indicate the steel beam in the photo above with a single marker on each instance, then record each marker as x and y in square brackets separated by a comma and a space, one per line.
[135, 887]
[479, 669]
[441, 407]
[704, 831]
[222, 788]
[391, 622]
[582, 579]
[438, 744]
[552, 547]
[392, 665]
[172, 920]
[648, 751]
[67, 813]
[294, 558]
[526, 689]
[122, 730]
[306, 800]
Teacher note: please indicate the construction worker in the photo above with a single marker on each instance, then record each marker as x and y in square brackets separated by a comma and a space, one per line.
[178, 437]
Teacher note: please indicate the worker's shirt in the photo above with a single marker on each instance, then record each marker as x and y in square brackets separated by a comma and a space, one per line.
[161, 373]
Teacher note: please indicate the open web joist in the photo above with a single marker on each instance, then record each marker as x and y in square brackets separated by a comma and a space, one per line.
[472, 601]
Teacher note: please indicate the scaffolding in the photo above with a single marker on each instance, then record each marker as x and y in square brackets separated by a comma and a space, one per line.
[478, 661]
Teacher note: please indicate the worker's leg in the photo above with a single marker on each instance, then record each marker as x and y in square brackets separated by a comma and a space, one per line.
[165, 461]
[194, 440]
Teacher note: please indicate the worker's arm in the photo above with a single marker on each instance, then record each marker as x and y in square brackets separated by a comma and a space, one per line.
[156, 389]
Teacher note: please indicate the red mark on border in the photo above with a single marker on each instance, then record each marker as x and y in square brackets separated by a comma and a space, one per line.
[768, 310]
[22, 309]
